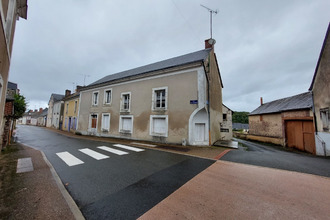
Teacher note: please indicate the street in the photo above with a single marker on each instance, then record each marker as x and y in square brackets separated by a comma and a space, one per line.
[120, 186]
[119, 181]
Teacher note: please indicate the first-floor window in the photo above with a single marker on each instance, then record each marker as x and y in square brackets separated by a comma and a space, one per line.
[324, 113]
[126, 124]
[159, 98]
[159, 125]
[125, 102]
[95, 98]
[105, 122]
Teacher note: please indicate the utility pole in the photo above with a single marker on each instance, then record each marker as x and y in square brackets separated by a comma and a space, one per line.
[211, 12]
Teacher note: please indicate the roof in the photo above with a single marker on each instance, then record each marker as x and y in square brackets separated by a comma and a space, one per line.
[297, 102]
[57, 97]
[190, 58]
[12, 86]
[240, 126]
[319, 60]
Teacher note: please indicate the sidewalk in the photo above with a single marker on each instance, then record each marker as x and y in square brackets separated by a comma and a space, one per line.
[30, 195]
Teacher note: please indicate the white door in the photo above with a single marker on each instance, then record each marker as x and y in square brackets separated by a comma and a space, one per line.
[199, 132]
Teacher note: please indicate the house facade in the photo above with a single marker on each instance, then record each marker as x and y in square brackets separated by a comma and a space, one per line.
[70, 113]
[57, 120]
[42, 118]
[287, 122]
[53, 117]
[320, 87]
[171, 101]
[10, 11]
[227, 123]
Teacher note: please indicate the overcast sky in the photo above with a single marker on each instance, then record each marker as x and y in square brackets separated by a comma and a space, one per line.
[265, 48]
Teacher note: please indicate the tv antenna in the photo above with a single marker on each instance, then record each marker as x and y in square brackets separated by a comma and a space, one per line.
[85, 75]
[211, 12]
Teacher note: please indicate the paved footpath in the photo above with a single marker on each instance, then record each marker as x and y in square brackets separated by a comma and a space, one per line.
[228, 190]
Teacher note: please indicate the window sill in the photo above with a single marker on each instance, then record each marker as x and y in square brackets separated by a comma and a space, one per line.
[158, 135]
[126, 131]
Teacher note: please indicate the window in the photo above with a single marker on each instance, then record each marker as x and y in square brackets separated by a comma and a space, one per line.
[95, 98]
[75, 106]
[126, 124]
[159, 125]
[67, 108]
[64, 122]
[105, 122]
[224, 117]
[107, 97]
[324, 113]
[125, 102]
[159, 98]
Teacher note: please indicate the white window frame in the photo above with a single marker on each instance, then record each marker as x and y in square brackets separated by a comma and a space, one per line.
[75, 105]
[122, 102]
[105, 97]
[67, 108]
[95, 102]
[154, 97]
[102, 124]
[151, 131]
[121, 124]
[324, 115]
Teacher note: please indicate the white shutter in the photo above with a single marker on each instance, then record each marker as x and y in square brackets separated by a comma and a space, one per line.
[159, 125]
[127, 124]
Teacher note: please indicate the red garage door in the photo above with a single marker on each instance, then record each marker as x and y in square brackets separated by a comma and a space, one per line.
[300, 135]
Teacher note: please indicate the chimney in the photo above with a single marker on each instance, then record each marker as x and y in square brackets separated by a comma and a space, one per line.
[67, 93]
[209, 43]
[40, 109]
[78, 88]
[35, 110]
[261, 101]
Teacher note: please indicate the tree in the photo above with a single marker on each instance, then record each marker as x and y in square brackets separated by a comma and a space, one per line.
[241, 117]
[19, 106]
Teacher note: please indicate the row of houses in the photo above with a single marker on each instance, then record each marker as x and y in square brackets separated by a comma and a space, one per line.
[178, 100]
[300, 121]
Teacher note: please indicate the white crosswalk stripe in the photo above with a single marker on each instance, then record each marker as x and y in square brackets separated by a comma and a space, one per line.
[128, 147]
[94, 154]
[69, 159]
[111, 150]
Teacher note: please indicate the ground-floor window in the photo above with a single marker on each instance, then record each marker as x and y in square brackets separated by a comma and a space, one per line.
[324, 113]
[93, 121]
[159, 125]
[105, 122]
[126, 123]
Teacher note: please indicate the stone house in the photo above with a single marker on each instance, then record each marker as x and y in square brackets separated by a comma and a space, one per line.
[320, 87]
[55, 109]
[227, 123]
[171, 101]
[42, 117]
[10, 12]
[71, 109]
[287, 122]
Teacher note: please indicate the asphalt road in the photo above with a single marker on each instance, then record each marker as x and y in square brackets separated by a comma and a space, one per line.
[116, 187]
[277, 157]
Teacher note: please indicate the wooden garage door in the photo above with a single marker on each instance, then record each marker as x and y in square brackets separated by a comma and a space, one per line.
[300, 135]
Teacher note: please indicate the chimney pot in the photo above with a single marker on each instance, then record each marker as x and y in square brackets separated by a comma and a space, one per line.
[209, 43]
[67, 92]
[40, 109]
[261, 101]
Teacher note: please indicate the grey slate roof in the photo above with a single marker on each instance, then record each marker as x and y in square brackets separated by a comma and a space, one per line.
[165, 64]
[12, 85]
[240, 126]
[57, 97]
[297, 102]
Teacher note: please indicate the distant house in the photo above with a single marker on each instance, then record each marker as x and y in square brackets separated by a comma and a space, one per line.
[287, 121]
[42, 118]
[71, 109]
[320, 87]
[241, 126]
[178, 100]
[55, 109]
[227, 123]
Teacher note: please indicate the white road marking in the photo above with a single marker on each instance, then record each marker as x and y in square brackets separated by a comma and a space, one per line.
[93, 154]
[148, 145]
[24, 165]
[128, 147]
[111, 150]
[69, 159]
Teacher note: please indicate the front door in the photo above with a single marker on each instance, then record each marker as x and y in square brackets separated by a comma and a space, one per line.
[93, 125]
[69, 124]
[199, 132]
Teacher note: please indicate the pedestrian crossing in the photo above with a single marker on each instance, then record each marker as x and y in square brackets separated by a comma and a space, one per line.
[72, 160]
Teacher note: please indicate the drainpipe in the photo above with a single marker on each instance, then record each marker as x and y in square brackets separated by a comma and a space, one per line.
[208, 100]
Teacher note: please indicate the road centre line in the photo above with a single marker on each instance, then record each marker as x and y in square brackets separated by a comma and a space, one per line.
[94, 154]
[111, 150]
[69, 159]
[128, 147]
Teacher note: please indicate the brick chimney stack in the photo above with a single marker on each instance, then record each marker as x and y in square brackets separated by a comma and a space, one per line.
[40, 109]
[209, 43]
[67, 92]
[78, 88]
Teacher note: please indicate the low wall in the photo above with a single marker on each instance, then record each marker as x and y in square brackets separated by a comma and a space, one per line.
[278, 141]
